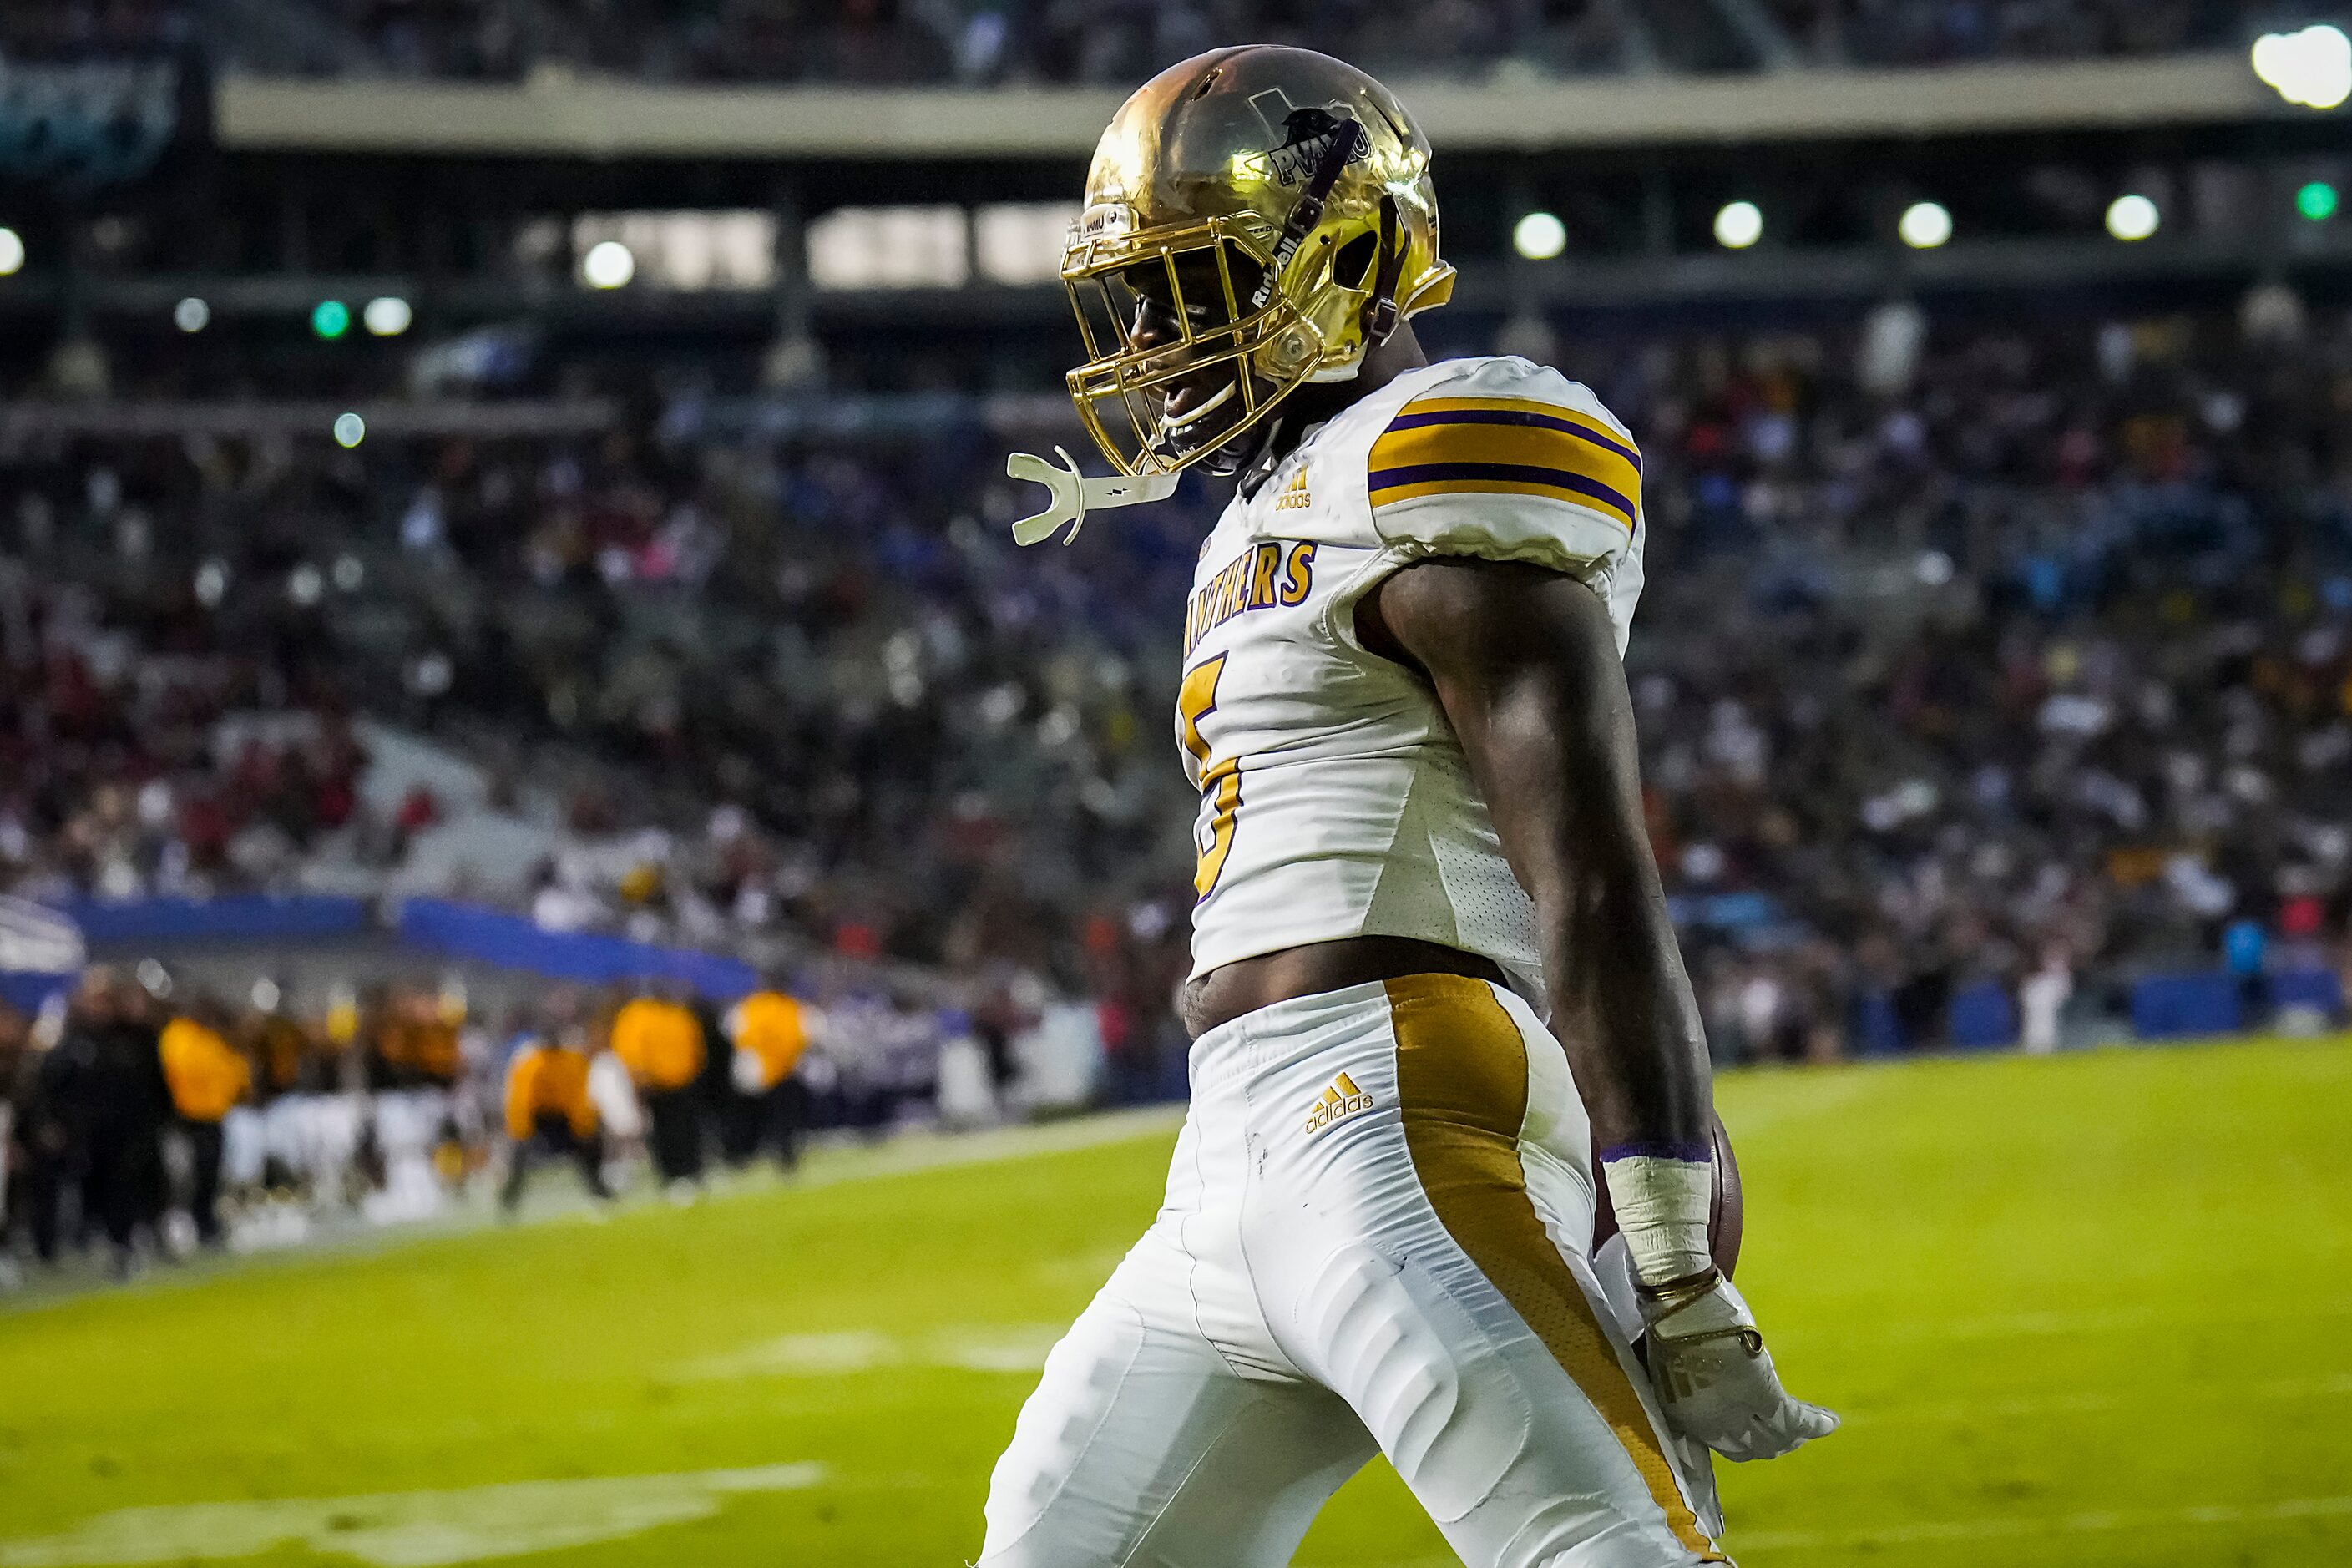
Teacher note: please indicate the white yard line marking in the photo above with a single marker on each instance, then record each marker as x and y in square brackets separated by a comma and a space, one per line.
[2076, 1523]
[916, 1152]
[407, 1529]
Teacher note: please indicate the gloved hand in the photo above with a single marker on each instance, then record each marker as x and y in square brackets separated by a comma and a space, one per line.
[1715, 1378]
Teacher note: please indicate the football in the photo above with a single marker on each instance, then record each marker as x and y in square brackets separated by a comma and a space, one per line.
[1723, 1219]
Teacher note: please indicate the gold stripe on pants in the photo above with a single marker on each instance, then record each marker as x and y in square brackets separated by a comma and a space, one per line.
[1461, 1088]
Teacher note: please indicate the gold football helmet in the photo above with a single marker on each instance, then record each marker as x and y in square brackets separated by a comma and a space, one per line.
[1256, 219]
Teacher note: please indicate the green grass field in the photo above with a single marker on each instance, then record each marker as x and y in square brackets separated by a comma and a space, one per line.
[2077, 1312]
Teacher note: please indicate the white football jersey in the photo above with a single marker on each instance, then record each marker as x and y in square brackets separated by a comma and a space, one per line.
[1335, 800]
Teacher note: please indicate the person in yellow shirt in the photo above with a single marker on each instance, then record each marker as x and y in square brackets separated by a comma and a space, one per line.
[548, 1108]
[207, 1077]
[659, 1040]
[769, 1031]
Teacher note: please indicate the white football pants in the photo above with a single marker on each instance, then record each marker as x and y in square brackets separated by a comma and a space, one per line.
[1374, 1238]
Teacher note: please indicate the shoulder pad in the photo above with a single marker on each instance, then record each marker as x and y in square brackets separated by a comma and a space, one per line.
[1511, 460]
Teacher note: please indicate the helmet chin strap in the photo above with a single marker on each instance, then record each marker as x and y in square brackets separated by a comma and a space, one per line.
[1307, 211]
[1380, 316]
[1074, 495]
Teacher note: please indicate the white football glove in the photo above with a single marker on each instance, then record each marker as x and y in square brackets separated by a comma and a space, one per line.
[1715, 1378]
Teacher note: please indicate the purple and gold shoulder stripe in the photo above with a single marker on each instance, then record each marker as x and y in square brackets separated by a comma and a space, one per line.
[1507, 446]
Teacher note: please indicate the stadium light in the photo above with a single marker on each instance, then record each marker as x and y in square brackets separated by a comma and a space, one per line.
[349, 430]
[1739, 226]
[2132, 216]
[2317, 200]
[1539, 237]
[2312, 68]
[12, 251]
[387, 317]
[192, 315]
[608, 265]
[1925, 226]
[330, 319]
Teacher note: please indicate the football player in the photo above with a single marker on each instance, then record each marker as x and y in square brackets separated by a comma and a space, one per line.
[1433, 968]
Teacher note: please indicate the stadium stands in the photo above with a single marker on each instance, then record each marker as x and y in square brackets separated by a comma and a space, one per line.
[2043, 651]
[1878, 33]
[906, 41]
[971, 43]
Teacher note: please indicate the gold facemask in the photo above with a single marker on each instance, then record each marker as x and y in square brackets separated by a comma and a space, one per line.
[1256, 219]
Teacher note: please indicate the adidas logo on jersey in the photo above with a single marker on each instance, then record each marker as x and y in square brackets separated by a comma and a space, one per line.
[1340, 1101]
[1293, 496]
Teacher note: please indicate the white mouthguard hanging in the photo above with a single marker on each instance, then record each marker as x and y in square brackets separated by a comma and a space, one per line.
[1075, 494]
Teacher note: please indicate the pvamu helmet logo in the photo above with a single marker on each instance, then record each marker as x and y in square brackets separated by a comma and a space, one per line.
[1305, 137]
[1254, 219]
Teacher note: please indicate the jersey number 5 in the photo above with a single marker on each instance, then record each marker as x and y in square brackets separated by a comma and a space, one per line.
[1221, 782]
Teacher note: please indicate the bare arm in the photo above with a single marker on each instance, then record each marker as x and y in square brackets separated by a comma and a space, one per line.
[1525, 664]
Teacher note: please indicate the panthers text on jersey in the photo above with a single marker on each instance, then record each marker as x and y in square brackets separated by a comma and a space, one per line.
[1335, 800]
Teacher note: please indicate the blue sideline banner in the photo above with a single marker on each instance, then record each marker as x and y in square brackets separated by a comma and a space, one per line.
[2166, 1006]
[511, 941]
[29, 993]
[1983, 1016]
[233, 917]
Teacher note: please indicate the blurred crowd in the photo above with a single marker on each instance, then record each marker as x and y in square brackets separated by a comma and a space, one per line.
[994, 41]
[127, 774]
[74, 28]
[146, 1117]
[2024, 657]
[984, 42]
[979, 42]
[1938, 32]
[744, 692]
[953, 41]
[1989, 652]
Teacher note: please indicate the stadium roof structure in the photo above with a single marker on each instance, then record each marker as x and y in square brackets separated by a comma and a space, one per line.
[475, 203]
